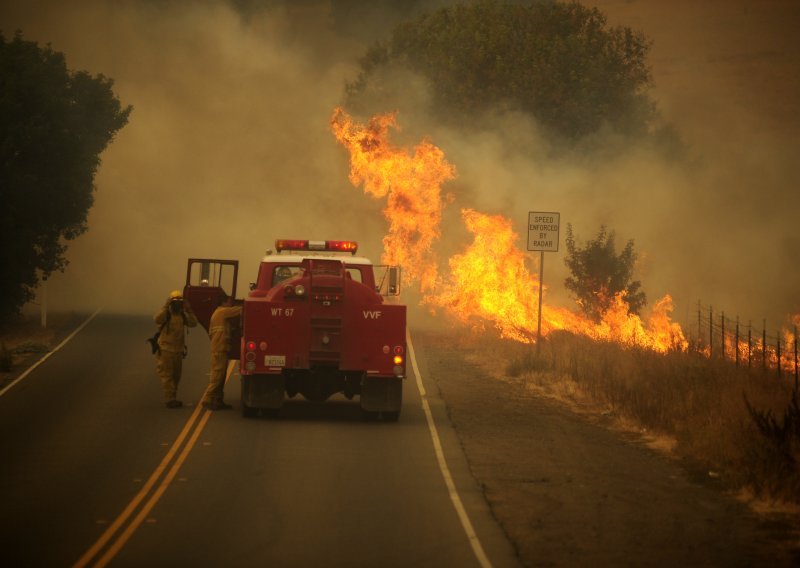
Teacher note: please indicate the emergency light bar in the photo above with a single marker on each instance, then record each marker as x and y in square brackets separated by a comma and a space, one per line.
[331, 246]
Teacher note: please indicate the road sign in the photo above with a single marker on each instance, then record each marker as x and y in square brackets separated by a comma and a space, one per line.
[543, 231]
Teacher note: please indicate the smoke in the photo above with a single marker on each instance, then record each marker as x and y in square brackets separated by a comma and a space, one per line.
[716, 224]
[229, 147]
[721, 229]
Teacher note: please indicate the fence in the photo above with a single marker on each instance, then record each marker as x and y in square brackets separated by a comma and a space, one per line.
[726, 338]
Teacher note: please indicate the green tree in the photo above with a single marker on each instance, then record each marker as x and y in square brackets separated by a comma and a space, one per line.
[558, 61]
[54, 124]
[598, 273]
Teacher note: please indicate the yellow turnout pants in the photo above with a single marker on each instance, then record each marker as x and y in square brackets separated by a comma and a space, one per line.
[216, 382]
[169, 367]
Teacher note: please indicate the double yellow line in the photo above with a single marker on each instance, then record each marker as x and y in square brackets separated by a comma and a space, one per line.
[112, 540]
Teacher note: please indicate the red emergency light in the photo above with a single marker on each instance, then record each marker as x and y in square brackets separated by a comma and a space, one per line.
[332, 246]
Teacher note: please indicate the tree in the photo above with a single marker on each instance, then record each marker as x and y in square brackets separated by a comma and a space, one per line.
[558, 61]
[54, 124]
[598, 274]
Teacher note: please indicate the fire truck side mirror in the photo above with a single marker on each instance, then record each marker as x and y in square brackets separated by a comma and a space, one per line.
[388, 283]
[252, 285]
[394, 280]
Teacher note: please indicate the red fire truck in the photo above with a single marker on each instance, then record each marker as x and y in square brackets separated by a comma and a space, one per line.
[317, 321]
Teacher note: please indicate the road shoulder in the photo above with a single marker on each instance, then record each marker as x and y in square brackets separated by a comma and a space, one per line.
[570, 491]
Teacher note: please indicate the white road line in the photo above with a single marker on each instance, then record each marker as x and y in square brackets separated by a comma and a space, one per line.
[48, 354]
[480, 555]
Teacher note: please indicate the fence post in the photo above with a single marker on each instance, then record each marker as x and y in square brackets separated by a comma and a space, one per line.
[749, 341]
[722, 327]
[778, 344]
[699, 324]
[710, 331]
[764, 346]
[736, 342]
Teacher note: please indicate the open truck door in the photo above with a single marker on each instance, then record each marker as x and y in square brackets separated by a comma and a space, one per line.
[207, 279]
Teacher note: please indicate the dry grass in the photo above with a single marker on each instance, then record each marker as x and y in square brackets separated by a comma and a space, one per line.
[24, 337]
[710, 407]
[739, 426]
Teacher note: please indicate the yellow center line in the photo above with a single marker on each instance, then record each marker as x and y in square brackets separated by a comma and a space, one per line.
[131, 528]
[142, 494]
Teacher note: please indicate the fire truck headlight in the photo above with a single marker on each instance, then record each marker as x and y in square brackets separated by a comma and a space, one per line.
[398, 360]
[300, 290]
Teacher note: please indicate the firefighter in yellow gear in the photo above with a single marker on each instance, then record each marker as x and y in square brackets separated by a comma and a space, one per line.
[219, 330]
[173, 318]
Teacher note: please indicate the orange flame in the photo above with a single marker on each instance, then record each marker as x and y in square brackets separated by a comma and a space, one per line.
[412, 183]
[489, 282]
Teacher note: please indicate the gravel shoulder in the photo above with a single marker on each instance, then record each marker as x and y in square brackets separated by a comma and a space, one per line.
[571, 490]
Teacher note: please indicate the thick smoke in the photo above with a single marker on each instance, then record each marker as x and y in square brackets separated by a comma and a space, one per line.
[228, 148]
[716, 224]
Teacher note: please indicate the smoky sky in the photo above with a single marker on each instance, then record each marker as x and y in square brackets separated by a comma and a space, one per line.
[228, 148]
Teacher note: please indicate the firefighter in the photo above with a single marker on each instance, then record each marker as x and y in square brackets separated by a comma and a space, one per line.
[219, 332]
[284, 273]
[174, 317]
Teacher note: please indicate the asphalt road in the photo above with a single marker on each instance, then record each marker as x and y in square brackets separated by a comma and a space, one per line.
[96, 470]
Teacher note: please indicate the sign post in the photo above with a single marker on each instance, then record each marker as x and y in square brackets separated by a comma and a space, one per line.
[543, 231]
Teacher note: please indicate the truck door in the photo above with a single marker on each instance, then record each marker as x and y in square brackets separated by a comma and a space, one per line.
[207, 280]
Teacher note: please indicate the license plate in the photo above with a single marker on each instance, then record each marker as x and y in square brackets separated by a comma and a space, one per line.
[275, 361]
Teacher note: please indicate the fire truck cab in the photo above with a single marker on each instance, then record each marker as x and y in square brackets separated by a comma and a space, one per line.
[317, 321]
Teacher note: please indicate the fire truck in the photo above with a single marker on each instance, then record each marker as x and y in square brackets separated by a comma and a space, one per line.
[317, 321]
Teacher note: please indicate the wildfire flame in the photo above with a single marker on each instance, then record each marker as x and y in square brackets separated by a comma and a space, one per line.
[489, 281]
[411, 182]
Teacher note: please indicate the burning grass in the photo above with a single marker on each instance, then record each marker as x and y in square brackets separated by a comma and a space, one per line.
[739, 426]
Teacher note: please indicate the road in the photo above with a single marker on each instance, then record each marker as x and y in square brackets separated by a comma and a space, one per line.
[95, 470]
